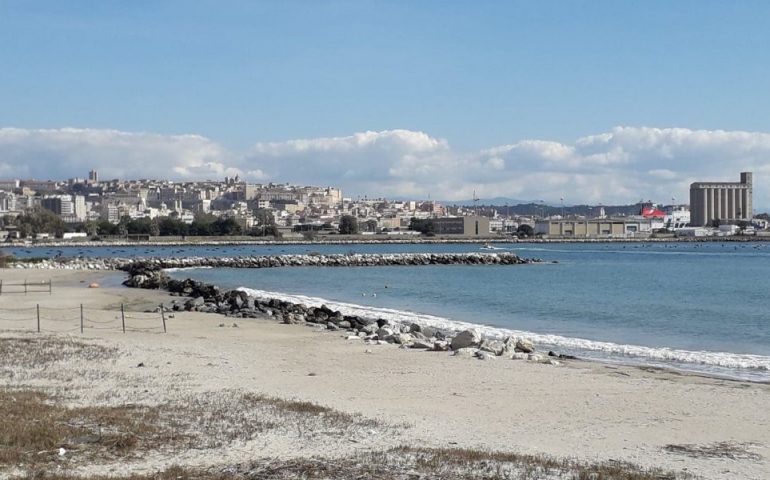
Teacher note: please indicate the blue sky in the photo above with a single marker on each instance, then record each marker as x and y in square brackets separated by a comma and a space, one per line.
[473, 76]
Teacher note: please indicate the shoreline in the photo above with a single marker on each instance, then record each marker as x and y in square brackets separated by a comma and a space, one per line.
[584, 410]
[150, 273]
[450, 328]
[382, 241]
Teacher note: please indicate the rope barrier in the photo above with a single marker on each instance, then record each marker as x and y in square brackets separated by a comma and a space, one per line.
[16, 319]
[87, 320]
[75, 329]
[22, 309]
[56, 319]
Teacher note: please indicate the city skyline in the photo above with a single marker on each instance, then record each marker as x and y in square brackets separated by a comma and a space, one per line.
[599, 102]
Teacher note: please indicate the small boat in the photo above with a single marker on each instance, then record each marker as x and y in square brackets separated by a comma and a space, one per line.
[487, 246]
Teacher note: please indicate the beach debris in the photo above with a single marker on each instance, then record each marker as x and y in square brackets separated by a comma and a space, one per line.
[140, 365]
[62, 451]
[466, 339]
[93, 285]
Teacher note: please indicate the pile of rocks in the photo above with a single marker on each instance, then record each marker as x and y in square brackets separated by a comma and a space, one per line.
[72, 263]
[470, 343]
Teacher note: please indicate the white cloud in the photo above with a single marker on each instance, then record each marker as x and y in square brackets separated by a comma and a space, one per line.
[68, 152]
[622, 165]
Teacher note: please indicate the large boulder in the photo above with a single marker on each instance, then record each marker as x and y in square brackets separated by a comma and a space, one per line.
[370, 329]
[402, 338]
[495, 347]
[524, 345]
[384, 332]
[465, 352]
[194, 303]
[428, 331]
[466, 339]
[421, 344]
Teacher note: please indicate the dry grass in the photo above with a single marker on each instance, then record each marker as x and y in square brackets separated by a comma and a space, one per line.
[33, 430]
[298, 408]
[34, 427]
[733, 451]
[407, 463]
[36, 352]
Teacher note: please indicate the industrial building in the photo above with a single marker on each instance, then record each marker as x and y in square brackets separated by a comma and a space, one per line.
[472, 226]
[725, 202]
[594, 228]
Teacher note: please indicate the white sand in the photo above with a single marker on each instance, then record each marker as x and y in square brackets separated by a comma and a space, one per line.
[585, 410]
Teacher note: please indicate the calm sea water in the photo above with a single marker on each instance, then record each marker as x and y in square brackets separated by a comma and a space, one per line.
[695, 306]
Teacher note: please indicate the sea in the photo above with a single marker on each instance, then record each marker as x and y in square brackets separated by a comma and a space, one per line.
[691, 306]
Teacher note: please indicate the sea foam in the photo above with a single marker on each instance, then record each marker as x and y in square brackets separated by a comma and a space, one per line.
[754, 367]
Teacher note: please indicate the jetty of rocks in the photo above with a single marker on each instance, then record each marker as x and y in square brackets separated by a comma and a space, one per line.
[143, 265]
[334, 260]
[238, 304]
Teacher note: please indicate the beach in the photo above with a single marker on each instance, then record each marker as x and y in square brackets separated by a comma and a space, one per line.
[709, 427]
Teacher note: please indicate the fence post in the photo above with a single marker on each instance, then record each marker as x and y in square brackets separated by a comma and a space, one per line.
[1, 287]
[81, 318]
[38, 318]
[50, 292]
[163, 317]
[123, 317]
[25, 286]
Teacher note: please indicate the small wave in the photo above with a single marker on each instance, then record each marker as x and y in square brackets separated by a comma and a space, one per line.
[661, 354]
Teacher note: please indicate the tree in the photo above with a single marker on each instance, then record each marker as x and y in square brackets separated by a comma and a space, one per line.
[40, 221]
[525, 230]
[168, 226]
[348, 225]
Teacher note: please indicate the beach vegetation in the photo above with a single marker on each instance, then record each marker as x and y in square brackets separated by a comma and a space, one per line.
[405, 462]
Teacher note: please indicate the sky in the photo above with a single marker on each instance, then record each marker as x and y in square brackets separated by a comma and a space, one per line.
[600, 101]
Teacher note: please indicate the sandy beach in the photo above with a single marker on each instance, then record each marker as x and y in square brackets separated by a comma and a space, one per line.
[588, 411]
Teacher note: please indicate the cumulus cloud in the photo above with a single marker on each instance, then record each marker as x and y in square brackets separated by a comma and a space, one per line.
[67, 152]
[622, 165]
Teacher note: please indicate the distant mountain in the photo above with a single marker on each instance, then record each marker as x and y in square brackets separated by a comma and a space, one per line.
[542, 209]
[501, 201]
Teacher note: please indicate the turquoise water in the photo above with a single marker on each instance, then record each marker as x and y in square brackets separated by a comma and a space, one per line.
[695, 306]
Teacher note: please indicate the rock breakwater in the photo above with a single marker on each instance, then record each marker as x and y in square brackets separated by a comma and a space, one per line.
[143, 265]
[202, 297]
